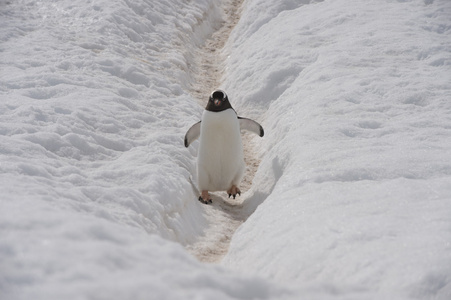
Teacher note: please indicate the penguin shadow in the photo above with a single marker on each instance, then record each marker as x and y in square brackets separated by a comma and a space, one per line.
[231, 207]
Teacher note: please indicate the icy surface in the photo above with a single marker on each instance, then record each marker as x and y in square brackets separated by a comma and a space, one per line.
[353, 195]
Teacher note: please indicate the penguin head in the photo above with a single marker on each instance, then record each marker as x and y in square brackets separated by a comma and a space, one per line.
[218, 101]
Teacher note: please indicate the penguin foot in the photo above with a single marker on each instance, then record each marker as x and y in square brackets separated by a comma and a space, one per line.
[205, 198]
[233, 191]
[205, 201]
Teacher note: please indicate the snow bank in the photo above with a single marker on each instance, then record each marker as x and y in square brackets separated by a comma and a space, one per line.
[94, 177]
[353, 190]
[87, 91]
[354, 186]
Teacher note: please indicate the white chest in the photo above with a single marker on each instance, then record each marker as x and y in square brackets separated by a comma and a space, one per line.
[220, 150]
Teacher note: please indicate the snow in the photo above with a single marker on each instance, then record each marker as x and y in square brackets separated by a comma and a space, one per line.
[355, 177]
[352, 198]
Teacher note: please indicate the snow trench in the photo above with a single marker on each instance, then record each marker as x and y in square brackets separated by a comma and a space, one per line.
[225, 215]
[351, 198]
[95, 107]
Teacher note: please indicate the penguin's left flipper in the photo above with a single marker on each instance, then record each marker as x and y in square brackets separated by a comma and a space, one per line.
[192, 134]
[251, 125]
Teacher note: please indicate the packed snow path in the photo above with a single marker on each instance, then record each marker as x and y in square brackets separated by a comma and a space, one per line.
[225, 215]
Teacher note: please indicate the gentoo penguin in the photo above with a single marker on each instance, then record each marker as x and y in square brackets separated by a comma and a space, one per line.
[220, 161]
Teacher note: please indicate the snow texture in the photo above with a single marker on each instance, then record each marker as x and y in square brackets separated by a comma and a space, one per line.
[352, 199]
[355, 178]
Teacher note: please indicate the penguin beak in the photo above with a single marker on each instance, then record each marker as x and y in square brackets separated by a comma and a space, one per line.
[217, 102]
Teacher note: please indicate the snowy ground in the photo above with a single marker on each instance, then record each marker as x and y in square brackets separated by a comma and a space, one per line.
[352, 197]
[356, 167]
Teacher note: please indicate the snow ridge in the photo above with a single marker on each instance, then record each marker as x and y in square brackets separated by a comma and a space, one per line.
[355, 101]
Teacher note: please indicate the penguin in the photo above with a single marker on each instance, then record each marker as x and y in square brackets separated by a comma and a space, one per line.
[220, 160]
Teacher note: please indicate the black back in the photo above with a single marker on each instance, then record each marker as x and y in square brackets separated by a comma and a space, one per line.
[218, 101]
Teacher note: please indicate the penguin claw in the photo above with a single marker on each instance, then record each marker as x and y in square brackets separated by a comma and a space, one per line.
[208, 201]
[233, 191]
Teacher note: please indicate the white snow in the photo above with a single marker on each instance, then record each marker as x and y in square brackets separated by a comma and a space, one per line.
[352, 198]
[355, 178]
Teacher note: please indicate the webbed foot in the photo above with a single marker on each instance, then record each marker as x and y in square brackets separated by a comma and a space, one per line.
[205, 198]
[233, 191]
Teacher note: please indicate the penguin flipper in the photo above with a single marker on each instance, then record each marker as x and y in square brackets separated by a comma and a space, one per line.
[251, 125]
[192, 134]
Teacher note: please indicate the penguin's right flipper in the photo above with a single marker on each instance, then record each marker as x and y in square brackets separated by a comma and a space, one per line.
[192, 134]
[251, 125]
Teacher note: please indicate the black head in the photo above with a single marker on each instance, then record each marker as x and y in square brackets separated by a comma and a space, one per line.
[218, 101]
